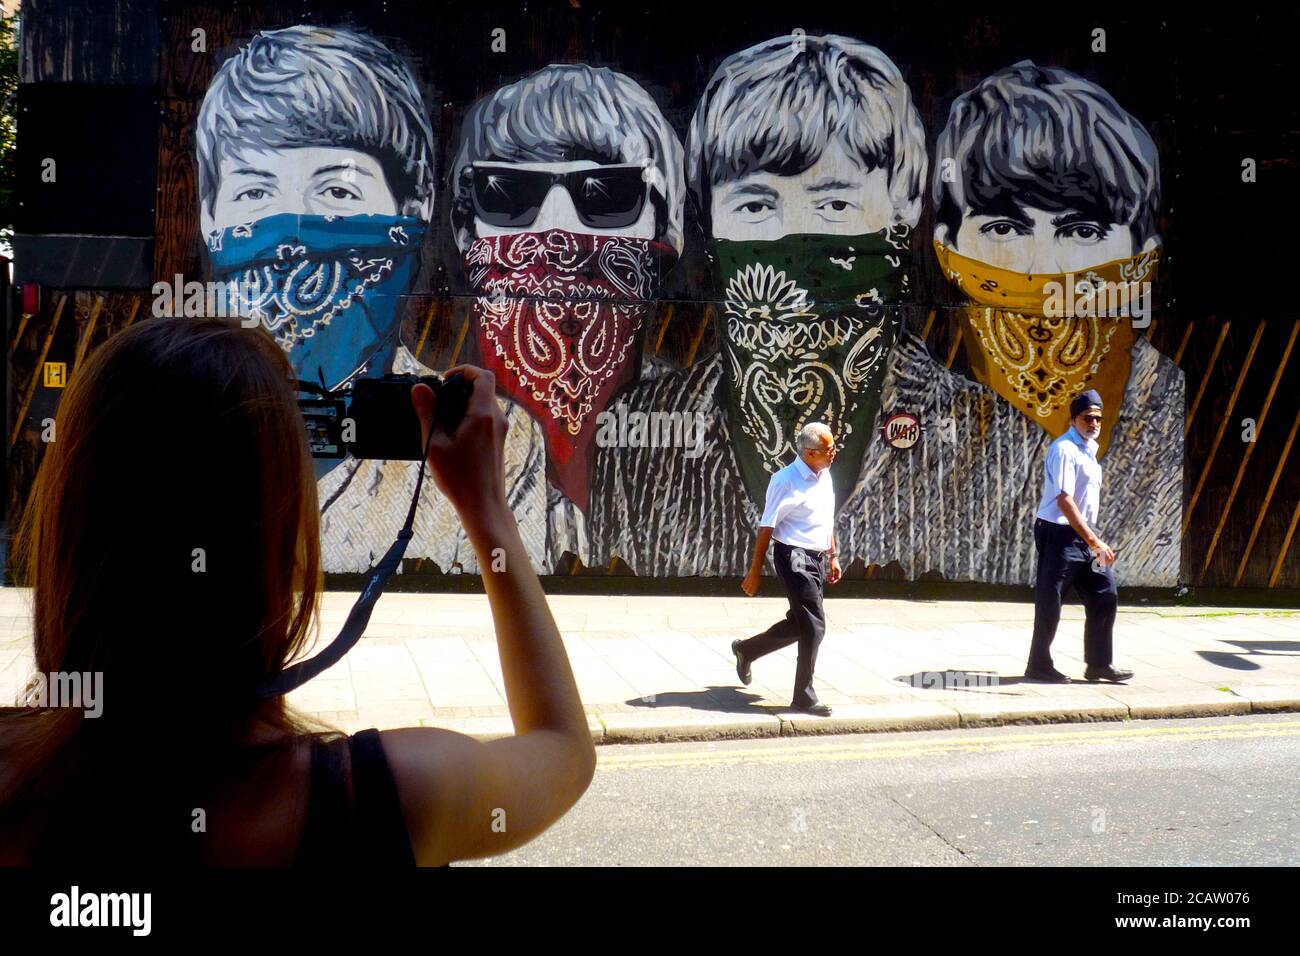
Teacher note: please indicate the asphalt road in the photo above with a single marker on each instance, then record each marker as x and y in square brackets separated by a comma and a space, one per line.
[1222, 792]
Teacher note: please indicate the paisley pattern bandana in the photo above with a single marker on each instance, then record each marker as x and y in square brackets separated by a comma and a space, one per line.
[326, 287]
[1040, 340]
[559, 319]
[809, 325]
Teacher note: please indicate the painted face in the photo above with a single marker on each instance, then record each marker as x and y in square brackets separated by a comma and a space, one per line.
[305, 181]
[562, 260]
[1035, 241]
[327, 288]
[558, 210]
[319, 253]
[834, 196]
[558, 321]
[807, 325]
[1035, 348]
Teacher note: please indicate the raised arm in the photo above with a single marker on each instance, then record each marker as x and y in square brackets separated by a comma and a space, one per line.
[463, 798]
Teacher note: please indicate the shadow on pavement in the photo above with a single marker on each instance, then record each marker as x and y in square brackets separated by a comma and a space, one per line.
[728, 700]
[1236, 660]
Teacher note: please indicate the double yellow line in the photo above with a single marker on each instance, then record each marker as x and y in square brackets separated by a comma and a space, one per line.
[879, 747]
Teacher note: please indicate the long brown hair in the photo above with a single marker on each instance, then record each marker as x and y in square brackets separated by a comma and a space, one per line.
[171, 542]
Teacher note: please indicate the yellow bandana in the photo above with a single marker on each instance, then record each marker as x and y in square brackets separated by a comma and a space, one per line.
[1040, 340]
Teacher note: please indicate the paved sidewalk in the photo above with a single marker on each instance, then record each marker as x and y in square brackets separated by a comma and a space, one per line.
[660, 668]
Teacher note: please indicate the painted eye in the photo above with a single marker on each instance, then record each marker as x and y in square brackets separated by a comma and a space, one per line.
[255, 194]
[754, 207]
[1003, 229]
[339, 193]
[1084, 232]
[835, 205]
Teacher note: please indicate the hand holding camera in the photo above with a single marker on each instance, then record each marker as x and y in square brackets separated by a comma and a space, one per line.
[468, 460]
[374, 419]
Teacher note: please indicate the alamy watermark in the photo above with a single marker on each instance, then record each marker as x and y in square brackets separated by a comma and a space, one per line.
[77, 908]
[1091, 296]
[624, 429]
[954, 680]
[72, 689]
[194, 300]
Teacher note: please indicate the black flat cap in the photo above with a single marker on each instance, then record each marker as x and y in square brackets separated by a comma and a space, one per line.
[1084, 400]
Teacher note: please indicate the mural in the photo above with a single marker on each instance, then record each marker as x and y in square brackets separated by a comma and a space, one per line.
[568, 212]
[315, 158]
[565, 217]
[1055, 188]
[316, 182]
[566, 204]
[806, 159]
[1052, 186]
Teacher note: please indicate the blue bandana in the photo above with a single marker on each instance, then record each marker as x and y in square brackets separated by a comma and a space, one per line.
[327, 287]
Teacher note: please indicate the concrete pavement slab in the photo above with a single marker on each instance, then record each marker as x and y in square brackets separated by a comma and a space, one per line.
[661, 667]
[324, 695]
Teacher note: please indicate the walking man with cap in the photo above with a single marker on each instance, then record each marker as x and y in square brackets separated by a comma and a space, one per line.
[800, 516]
[1070, 551]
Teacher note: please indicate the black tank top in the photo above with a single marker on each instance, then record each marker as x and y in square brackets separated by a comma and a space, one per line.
[367, 828]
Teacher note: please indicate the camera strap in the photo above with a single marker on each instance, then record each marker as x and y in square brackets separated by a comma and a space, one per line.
[354, 627]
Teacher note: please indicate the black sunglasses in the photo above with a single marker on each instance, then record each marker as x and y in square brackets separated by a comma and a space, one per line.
[607, 197]
[1093, 419]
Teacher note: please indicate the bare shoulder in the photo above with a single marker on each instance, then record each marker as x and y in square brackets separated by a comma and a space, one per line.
[431, 769]
[259, 815]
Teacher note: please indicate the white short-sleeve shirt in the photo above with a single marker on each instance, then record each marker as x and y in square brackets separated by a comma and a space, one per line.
[1071, 467]
[801, 507]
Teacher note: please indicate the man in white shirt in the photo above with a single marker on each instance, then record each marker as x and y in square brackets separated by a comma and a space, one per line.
[1071, 553]
[800, 516]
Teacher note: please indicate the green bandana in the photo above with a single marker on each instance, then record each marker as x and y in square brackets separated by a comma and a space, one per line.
[807, 336]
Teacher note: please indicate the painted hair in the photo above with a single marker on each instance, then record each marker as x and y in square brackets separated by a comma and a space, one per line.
[313, 86]
[776, 106]
[566, 113]
[1044, 137]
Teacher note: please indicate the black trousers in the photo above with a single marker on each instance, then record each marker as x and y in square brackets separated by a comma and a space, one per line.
[1064, 560]
[803, 573]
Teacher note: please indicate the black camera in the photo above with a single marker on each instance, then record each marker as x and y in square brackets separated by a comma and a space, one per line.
[375, 419]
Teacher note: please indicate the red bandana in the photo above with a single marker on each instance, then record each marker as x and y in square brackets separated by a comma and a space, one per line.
[558, 322]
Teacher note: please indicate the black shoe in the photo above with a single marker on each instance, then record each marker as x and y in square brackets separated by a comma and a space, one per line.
[817, 710]
[742, 664]
[1106, 673]
[1046, 675]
